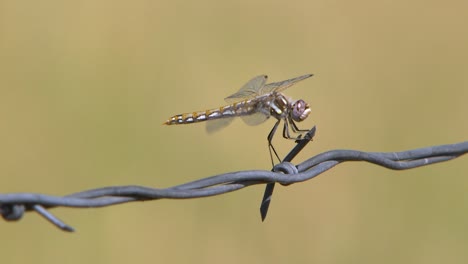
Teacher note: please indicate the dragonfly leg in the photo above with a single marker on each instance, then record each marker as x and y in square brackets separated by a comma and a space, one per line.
[286, 132]
[294, 129]
[270, 146]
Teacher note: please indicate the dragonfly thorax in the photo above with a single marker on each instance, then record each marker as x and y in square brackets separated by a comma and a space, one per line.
[279, 106]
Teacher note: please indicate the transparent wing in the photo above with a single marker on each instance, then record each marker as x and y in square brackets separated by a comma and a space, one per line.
[215, 125]
[249, 90]
[280, 86]
[255, 118]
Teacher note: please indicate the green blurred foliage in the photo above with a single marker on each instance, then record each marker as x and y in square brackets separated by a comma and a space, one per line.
[86, 85]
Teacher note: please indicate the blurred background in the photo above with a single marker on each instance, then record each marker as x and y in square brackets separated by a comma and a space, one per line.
[85, 87]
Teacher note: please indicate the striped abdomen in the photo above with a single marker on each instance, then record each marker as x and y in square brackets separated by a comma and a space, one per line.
[245, 107]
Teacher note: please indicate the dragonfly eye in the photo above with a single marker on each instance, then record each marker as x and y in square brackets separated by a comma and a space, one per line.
[300, 110]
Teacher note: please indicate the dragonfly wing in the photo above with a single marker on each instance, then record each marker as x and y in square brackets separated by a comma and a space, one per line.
[218, 124]
[255, 118]
[249, 90]
[280, 86]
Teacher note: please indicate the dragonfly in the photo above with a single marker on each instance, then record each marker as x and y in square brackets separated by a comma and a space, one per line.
[255, 103]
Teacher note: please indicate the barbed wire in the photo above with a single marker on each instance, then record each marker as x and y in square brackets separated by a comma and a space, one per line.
[14, 205]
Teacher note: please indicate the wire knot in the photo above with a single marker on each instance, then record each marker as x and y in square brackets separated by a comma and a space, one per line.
[12, 212]
[285, 168]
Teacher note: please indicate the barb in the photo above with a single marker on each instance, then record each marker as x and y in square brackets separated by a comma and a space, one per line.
[13, 205]
[270, 187]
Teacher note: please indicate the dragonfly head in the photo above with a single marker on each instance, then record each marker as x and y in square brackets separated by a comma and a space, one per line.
[300, 110]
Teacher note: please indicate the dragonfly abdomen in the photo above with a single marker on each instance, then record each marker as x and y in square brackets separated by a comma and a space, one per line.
[241, 108]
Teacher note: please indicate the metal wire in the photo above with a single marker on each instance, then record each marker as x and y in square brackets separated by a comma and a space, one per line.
[14, 205]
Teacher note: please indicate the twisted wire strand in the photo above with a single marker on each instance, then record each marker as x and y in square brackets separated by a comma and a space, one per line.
[14, 205]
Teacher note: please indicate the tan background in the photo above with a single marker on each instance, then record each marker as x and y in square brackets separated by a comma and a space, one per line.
[85, 86]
